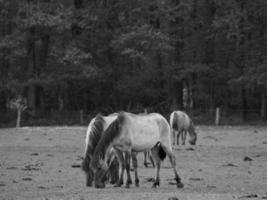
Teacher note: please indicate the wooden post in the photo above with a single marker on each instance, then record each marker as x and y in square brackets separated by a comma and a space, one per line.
[145, 111]
[18, 118]
[217, 117]
[81, 116]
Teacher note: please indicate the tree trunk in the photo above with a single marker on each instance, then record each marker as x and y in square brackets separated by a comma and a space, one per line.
[244, 104]
[31, 54]
[3, 101]
[32, 99]
[263, 103]
[19, 111]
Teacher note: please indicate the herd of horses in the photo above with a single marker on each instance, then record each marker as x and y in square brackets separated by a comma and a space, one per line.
[113, 141]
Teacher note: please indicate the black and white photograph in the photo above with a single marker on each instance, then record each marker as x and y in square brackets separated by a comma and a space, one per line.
[133, 99]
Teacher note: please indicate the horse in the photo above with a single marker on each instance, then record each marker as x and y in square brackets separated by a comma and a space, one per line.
[180, 124]
[135, 133]
[94, 132]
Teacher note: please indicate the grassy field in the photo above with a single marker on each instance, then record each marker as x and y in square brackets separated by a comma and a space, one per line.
[42, 163]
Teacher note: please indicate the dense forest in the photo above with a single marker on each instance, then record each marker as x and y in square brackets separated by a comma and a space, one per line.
[62, 56]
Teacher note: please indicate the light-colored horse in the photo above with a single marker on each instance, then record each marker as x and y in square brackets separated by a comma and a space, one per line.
[180, 124]
[135, 133]
[94, 132]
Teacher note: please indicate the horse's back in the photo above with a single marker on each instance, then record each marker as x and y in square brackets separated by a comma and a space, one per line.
[150, 118]
[144, 130]
[180, 120]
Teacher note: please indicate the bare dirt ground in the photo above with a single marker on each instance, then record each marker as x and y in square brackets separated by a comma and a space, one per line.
[43, 163]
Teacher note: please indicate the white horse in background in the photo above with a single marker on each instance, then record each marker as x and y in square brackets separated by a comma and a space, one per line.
[181, 124]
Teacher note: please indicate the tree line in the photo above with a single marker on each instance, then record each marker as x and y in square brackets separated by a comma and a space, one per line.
[110, 55]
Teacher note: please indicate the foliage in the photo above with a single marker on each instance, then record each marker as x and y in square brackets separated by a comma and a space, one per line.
[121, 54]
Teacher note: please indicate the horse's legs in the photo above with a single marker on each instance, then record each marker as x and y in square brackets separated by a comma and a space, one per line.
[148, 154]
[114, 171]
[178, 137]
[145, 159]
[155, 155]
[127, 163]
[151, 159]
[134, 159]
[174, 137]
[172, 158]
[122, 168]
[184, 136]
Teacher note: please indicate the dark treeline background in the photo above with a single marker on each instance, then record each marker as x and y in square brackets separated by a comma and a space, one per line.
[108, 55]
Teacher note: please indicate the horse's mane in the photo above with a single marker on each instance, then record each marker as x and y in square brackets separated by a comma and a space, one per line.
[108, 136]
[96, 132]
[94, 137]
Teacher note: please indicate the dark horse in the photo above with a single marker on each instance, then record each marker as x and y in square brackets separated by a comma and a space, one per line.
[135, 133]
[95, 131]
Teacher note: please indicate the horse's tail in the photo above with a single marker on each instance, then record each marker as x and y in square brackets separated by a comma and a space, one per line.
[161, 152]
[171, 119]
[174, 121]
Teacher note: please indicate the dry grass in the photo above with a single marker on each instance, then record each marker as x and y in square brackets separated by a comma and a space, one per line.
[37, 163]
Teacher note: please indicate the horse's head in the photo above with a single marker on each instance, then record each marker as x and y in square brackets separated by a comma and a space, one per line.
[100, 170]
[88, 171]
[193, 134]
[193, 138]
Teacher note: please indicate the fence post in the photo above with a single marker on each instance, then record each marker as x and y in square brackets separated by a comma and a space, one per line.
[145, 111]
[81, 116]
[18, 118]
[217, 117]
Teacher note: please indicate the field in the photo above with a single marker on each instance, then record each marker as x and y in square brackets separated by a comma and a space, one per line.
[43, 163]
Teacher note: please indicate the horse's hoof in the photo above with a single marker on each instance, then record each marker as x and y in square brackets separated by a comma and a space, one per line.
[145, 164]
[89, 184]
[155, 185]
[127, 186]
[117, 185]
[137, 185]
[180, 185]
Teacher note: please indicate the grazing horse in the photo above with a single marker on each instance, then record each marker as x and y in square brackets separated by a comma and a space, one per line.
[135, 133]
[180, 124]
[94, 132]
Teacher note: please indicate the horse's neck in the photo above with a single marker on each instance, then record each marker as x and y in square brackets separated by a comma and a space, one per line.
[191, 128]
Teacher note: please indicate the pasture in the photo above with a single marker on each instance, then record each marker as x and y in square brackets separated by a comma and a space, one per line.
[43, 163]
